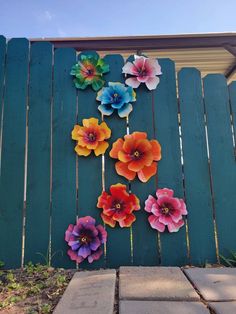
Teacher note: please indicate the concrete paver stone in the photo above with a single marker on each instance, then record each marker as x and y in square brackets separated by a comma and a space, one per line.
[155, 283]
[162, 307]
[214, 284]
[89, 292]
[223, 307]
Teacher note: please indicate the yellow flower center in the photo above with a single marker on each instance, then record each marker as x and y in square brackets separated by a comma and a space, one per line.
[117, 206]
[136, 154]
[92, 137]
[115, 95]
[165, 210]
[83, 239]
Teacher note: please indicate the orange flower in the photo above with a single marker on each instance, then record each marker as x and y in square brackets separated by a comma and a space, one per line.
[91, 136]
[136, 155]
[118, 206]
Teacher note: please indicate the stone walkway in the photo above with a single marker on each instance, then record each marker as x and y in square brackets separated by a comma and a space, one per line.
[151, 290]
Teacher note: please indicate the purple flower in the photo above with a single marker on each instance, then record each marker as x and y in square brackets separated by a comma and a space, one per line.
[85, 240]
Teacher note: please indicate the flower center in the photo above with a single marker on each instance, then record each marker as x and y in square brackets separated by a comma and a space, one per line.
[92, 137]
[165, 210]
[89, 71]
[136, 154]
[84, 239]
[118, 206]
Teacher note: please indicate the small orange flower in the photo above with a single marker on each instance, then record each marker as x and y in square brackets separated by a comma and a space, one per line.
[118, 206]
[91, 136]
[136, 155]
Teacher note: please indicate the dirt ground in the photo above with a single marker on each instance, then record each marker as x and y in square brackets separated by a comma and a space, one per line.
[36, 289]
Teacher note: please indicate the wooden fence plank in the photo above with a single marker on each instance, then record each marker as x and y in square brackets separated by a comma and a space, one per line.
[13, 152]
[223, 166]
[173, 245]
[232, 93]
[145, 248]
[89, 168]
[63, 156]
[196, 170]
[2, 71]
[118, 252]
[39, 146]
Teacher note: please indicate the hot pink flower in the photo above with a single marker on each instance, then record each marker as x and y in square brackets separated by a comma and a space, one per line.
[144, 70]
[166, 210]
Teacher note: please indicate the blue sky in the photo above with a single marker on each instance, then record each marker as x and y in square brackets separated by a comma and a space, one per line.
[76, 18]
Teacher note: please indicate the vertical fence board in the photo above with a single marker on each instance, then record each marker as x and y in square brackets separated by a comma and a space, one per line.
[173, 245]
[89, 168]
[39, 146]
[232, 93]
[144, 237]
[196, 171]
[118, 251]
[2, 71]
[63, 156]
[13, 152]
[223, 167]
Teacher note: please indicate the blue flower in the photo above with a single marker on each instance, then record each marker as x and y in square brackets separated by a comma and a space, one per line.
[116, 96]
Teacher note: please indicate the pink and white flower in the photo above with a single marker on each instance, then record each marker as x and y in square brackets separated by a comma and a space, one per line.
[144, 70]
[166, 210]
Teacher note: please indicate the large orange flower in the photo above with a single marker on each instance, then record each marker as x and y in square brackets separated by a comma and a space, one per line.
[91, 136]
[118, 206]
[136, 155]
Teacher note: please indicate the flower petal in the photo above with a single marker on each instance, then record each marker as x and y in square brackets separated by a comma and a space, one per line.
[90, 122]
[145, 160]
[152, 82]
[106, 110]
[84, 251]
[123, 156]
[108, 220]
[174, 227]
[133, 82]
[156, 150]
[82, 151]
[116, 147]
[129, 68]
[150, 201]
[155, 223]
[147, 172]
[101, 148]
[75, 132]
[127, 222]
[165, 191]
[125, 110]
[104, 128]
[122, 170]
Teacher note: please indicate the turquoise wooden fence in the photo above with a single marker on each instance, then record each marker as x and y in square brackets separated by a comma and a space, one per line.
[44, 186]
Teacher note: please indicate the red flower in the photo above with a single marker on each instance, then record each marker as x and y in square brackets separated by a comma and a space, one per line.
[118, 206]
[136, 155]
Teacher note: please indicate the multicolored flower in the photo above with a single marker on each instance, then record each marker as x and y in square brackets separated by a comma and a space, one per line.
[116, 97]
[144, 70]
[118, 206]
[89, 71]
[166, 210]
[91, 136]
[85, 240]
[136, 155]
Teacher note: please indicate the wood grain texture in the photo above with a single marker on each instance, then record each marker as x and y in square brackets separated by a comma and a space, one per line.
[118, 245]
[39, 152]
[173, 245]
[144, 237]
[223, 166]
[196, 170]
[13, 152]
[89, 168]
[63, 155]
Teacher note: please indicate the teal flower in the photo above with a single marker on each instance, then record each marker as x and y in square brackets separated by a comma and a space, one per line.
[89, 71]
[116, 96]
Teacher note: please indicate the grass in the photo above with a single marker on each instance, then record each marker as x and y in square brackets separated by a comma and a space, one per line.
[36, 289]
